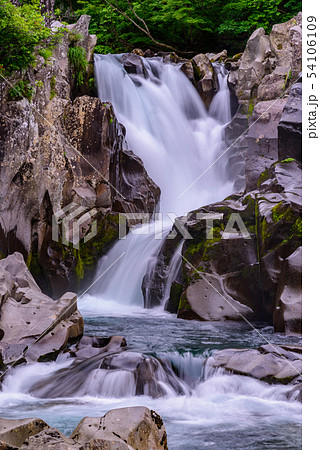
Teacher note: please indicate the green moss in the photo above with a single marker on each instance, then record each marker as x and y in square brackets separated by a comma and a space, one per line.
[39, 84]
[46, 53]
[283, 212]
[250, 107]
[52, 87]
[287, 160]
[184, 304]
[33, 264]
[265, 175]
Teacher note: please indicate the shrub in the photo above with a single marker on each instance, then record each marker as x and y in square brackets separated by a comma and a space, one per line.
[78, 62]
[21, 30]
[20, 90]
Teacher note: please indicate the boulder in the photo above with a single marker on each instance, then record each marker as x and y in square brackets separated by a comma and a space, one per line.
[137, 427]
[50, 439]
[133, 64]
[205, 80]
[268, 363]
[33, 326]
[15, 431]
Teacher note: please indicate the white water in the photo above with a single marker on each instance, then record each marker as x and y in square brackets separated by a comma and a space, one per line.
[169, 128]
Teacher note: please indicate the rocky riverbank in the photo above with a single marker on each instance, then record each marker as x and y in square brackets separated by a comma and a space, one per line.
[125, 428]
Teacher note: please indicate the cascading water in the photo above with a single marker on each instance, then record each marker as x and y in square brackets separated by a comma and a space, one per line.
[169, 128]
[165, 365]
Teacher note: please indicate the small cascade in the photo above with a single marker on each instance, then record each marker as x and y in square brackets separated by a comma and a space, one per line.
[220, 108]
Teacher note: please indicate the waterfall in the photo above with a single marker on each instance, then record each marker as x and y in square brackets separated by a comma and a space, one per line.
[168, 127]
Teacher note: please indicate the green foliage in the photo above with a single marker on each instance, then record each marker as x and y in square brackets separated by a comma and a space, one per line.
[46, 53]
[21, 30]
[78, 63]
[21, 90]
[187, 25]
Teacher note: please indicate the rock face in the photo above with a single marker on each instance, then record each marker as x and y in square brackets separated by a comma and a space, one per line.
[271, 363]
[269, 66]
[288, 312]
[137, 427]
[229, 273]
[33, 327]
[119, 429]
[290, 125]
[57, 153]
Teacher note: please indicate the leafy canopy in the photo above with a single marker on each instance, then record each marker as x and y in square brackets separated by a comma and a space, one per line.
[195, 26]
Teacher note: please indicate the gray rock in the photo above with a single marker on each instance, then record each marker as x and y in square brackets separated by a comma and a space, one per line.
[288, 312]
[290, 126]
[34, 326]
[15, 431]
[268, 363]
[205, 80]
[138, 427]
[133, 63]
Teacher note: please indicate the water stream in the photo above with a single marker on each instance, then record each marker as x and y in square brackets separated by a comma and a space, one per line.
[169, 128]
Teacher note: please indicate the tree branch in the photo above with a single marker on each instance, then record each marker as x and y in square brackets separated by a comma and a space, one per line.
[144, 30]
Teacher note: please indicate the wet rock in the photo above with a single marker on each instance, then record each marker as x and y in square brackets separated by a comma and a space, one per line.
[33, 326]
[206, 83]
[137, 427]
[236, 275]
[268, 363]
[15, 431]
[134, 64]
[288, 312]
[290, 126]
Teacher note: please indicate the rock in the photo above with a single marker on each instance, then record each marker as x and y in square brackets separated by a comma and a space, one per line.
[33, 326]
[244, 269]
[137, 427]
[290, 126]
[15, 431]
[269, 64]
[206, 83]
[134, 64]
[288, 312]
[111, 373]
[268, 363]
[119, 429]
[50, 439]
[187, 69]
[88, 41]
[221, 56]
[262, 140]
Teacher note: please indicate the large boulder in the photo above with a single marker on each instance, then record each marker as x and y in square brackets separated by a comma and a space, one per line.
[137, 427]
[33, 327]
[119, 429]
[271, 363]
[15, 431]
